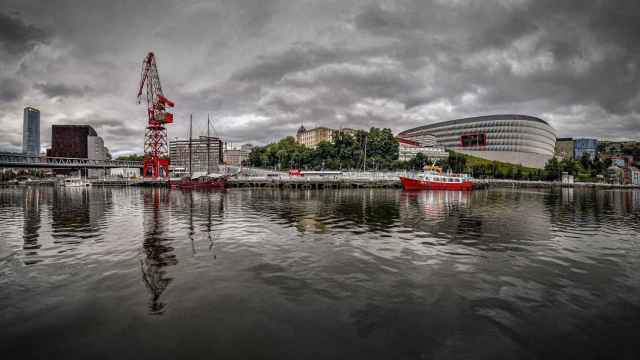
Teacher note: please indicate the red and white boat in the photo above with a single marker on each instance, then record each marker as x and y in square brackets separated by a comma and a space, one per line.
[436, 180]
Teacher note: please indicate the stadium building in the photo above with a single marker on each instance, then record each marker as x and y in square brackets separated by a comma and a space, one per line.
[515, 139]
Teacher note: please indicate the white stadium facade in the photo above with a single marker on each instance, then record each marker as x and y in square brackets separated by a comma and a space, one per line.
[515, 139]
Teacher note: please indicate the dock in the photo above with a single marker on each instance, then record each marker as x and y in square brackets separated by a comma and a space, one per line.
[346, 181]
[315, 182]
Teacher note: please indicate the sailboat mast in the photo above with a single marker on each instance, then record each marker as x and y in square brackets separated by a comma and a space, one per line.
[208, 148]
[190, 128]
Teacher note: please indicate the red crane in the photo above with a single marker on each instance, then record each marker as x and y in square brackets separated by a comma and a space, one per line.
[156, 161]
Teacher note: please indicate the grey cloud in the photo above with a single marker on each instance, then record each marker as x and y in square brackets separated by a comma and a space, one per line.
[10, 89]
[10, 140]
[53, 90]
[263, 67]
[377, 20]
[17, 37]
[273, 67]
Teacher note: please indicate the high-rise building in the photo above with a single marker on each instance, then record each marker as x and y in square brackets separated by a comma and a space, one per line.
[31, 131]
[71, 141]
[77, 141]
[179, 154]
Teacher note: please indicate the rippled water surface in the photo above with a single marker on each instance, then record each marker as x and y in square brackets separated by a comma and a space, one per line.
[130, 273]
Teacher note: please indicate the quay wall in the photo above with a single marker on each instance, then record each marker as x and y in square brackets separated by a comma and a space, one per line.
[332, 182]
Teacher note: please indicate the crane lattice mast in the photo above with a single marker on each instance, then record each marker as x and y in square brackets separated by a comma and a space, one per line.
[156, 161]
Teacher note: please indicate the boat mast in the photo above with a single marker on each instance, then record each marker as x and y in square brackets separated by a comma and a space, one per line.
[190, 126]
[364, 163]
[208, 146]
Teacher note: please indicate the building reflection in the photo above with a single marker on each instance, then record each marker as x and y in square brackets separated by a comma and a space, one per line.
[313, 211]
[478, 218]
[199, 210]
[32, 223]
[214, 203]
[75, 215]
[435, 205]
[157, 249]
[78, 214]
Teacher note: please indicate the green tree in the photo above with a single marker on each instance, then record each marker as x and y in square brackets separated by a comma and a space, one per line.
[131, 157]
[552, 169]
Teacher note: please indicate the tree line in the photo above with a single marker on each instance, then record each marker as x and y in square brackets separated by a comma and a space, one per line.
[373, 149]
[378, 150]
[585, 169]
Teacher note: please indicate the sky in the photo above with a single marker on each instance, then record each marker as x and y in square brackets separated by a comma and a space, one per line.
[261, 68]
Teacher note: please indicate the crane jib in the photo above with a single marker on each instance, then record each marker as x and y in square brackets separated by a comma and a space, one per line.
[156, 162]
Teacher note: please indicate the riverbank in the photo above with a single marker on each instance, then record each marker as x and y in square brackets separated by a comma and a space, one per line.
[331, 182]
[486, 183]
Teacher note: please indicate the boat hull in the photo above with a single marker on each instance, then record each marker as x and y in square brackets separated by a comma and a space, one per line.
[415, 184]
[201, 184]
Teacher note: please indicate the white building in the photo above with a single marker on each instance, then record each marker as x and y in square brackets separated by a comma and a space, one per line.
[408, 149]
[96, 151]
[203, 149]
[125, 172]
[635, 175]
[510, 138]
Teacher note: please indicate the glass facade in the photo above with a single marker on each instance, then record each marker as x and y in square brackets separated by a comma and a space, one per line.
[589, 146]
[31, 131]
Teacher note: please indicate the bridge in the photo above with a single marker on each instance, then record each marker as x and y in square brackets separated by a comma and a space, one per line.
[14, 160]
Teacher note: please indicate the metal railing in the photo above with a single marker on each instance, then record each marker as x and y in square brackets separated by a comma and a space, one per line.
[35, 161]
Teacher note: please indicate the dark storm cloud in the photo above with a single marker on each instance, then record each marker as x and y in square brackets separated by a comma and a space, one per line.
[17, 37]
[380, 21]
[53, 90]
[260, 68]
[273, 67]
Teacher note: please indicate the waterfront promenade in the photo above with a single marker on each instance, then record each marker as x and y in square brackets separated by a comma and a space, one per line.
[350, 180]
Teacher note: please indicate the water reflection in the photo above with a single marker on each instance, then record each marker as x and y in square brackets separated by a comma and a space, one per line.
[78, 214]
[158, 252]
[490, 274]
[32, 223]
[214, 201]
[59, 220]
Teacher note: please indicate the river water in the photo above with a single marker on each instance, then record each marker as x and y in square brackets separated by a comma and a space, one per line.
[130, 273]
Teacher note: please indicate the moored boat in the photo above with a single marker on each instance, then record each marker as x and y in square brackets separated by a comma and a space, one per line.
[436, 180]
[75, 182]
[201, 182]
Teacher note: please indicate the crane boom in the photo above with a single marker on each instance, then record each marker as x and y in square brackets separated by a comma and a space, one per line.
[156, 163]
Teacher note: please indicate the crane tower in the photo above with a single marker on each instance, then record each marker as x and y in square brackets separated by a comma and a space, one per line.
[156, 161]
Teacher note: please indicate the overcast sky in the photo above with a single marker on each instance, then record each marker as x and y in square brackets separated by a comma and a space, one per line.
[263, 67]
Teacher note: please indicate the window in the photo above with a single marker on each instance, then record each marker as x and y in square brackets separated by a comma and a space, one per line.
[473, 140]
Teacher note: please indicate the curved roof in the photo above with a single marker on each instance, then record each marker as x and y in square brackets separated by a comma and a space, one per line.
[475, 119]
